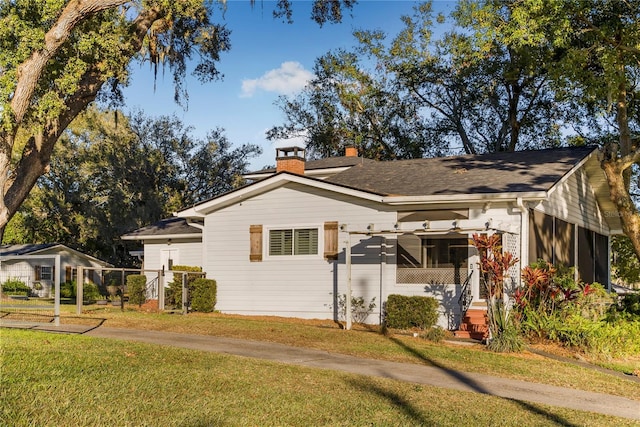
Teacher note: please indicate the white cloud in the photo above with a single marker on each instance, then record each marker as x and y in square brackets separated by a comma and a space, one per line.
[290, 78]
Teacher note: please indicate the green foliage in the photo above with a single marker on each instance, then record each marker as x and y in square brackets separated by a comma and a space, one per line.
[90, 291]
[626, 308]
[360, 310]
[137, 288]
[404, 312]
[552, 305]
[174, 292]
[68, 290]
[15, 287]
[625, 265]
[435, 334]
[509, 339]
[203, 295]
[88, 198]
[57, 57]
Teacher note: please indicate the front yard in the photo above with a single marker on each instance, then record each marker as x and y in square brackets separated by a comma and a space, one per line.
[51, 380]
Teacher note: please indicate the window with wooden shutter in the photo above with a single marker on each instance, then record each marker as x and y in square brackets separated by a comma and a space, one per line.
[68, 273]
[38, 272]
[255, 237]
[331, 240]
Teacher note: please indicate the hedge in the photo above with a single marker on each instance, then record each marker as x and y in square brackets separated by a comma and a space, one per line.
[403, 312]
[137, 288]
[203, 295]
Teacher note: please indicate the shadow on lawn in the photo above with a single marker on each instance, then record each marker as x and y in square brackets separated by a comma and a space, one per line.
[465, 379]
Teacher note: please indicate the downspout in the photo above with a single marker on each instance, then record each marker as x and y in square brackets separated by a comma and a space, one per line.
[524, 235]
[348, 295]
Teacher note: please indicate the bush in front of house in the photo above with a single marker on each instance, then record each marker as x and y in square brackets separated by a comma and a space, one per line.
[90, 291]
[174, 293]
[15, 287]
[203, 295]
[137, 287]
[403, 312]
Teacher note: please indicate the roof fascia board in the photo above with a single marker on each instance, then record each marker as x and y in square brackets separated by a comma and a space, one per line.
[463, 198]
[163, 237]
[61, 246]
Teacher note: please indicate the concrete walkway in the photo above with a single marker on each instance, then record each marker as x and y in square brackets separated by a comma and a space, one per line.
[440, 377]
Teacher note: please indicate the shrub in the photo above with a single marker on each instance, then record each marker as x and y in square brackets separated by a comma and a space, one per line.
[627, 308]
[90, 292]
[15, 287]
[403, 312]
[435, 334]
[68, 290]
[508, 341]
[203, 295]
[137, 287]
[174, 293]
[359, 309]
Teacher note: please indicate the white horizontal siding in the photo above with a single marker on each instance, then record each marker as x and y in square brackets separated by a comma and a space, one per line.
[290, 286]
[188, 253]
[574, 201]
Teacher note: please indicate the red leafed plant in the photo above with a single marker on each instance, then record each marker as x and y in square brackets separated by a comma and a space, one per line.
[494, 267]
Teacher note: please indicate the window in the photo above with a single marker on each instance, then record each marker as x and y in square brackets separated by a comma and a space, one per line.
[46, 272]
[293, 241]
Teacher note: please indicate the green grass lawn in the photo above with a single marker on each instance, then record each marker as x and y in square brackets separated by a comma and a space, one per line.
[70, 380]
[369, 342]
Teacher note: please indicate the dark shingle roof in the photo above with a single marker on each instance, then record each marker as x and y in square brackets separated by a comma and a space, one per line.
[169, 226]
[523, 171]
[327, 163]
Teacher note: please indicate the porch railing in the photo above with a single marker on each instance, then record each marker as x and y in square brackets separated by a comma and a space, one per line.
[440, 276]
[466, 296]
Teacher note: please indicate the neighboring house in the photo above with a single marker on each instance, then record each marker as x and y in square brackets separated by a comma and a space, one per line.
[169, 242]
[34, 265]
[290, 242]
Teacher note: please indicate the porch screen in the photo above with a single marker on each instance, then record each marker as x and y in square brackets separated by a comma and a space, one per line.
[551, 239]
[593, 256]
[424, 260]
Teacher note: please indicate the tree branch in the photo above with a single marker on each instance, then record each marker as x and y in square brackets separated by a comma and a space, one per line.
[29, 71]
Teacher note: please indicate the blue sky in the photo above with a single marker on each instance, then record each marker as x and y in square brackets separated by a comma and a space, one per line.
[268, 58]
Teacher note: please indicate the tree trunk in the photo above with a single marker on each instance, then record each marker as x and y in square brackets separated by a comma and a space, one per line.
[16, 181]
[619, 192]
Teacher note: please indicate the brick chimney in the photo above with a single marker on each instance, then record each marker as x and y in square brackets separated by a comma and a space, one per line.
[290, 159]
[350, 151]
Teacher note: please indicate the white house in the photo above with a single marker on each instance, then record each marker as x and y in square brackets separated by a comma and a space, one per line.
[299, 235]
[34, 265]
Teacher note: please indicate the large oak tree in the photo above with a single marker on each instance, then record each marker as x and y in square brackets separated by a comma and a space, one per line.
[57, 56]
[596, 65]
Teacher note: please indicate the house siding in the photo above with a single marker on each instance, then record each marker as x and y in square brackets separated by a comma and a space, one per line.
[188, 253]
[25, 269]
[574, 201]
[287, 285]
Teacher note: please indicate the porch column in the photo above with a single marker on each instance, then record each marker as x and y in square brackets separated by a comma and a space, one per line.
[79, 289]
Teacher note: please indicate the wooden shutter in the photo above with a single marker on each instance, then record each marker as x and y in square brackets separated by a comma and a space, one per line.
[67, 274]
[255, 237]
[38, 272]
[331, 240]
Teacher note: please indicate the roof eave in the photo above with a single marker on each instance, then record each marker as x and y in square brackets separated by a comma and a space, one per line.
[464, 198]
[161, 236]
